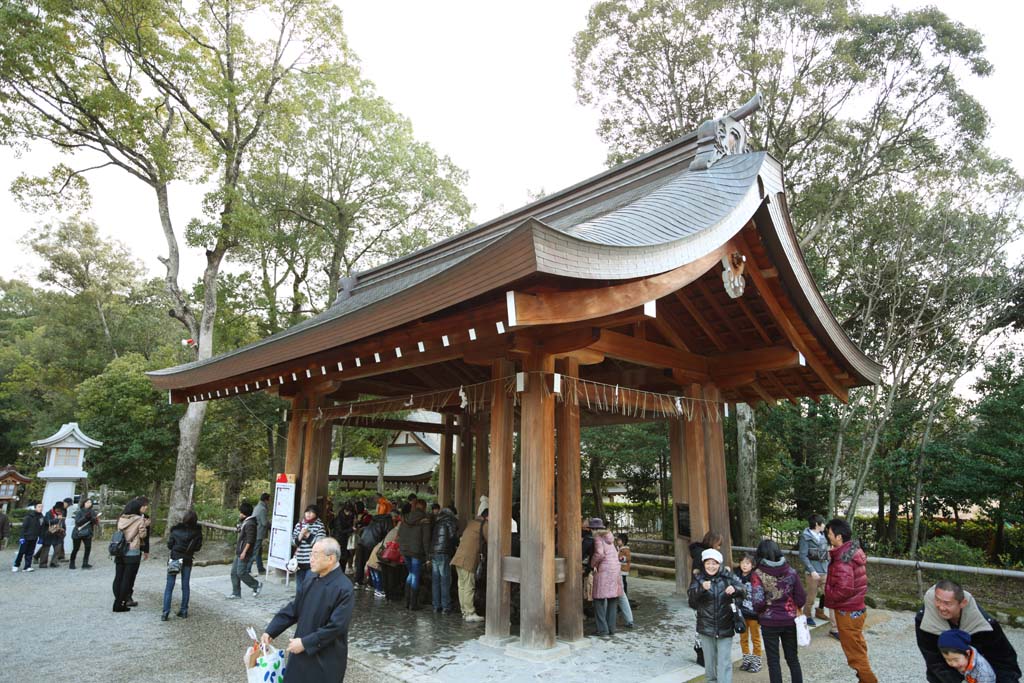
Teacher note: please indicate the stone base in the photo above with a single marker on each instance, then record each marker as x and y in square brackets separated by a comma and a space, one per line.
[581, 644]
[497, 641]
[559, 651]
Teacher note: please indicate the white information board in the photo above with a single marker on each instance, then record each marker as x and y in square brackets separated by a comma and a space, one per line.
[281, 524]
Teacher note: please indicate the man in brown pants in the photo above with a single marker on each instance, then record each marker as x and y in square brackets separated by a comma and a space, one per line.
[845, 588]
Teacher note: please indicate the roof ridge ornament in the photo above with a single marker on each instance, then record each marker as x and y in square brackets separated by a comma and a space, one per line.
[723, 136]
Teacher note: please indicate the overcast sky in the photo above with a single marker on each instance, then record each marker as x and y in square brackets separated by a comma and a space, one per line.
[490, 85]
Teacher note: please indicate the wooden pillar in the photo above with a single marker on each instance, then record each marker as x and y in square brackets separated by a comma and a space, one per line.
[481, 478]
[444, 468]
[680, 496]
[310, 453]
[323, 462]
[570, 547]
[499, 526]
[537, 587]
[718, 489]
[296, 436]
[694, 463]
[464, 472]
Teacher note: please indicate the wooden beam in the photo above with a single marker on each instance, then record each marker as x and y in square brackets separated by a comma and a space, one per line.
[296, 438]
[780, 357]
[624, 347]
[763, 393]
[680, 479]
[537, 528]
[669, 333]
[717, 487]
[719, 311]
[701, 321]
[394, 425]
[753, 320]
[497, 624]
[444, 467]
[789, 329]
[464, 472]
[481, 482]
[783, 391]
[547, 308]
[567, 452]
[695, 466]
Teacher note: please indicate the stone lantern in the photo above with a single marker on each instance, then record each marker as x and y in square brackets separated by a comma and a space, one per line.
[62, 469]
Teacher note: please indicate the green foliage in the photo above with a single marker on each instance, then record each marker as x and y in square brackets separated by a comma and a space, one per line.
[121, 408]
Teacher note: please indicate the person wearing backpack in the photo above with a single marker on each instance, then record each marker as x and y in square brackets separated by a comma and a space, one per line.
[184, 541]
[53, 535]
[81, 535]
[134, 527]
[712, 594]
[31, 528]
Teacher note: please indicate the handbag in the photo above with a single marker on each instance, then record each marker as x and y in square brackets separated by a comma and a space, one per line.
[739, 624]
[351, 545]
[391, 552]
[173, 567]
[480, 575]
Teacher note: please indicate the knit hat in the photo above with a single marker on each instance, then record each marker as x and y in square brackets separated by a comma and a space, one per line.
[595, 523]
[711, 554]
[955, 639]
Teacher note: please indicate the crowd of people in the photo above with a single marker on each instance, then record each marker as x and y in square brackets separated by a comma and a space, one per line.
[764, 600]
[404, 547]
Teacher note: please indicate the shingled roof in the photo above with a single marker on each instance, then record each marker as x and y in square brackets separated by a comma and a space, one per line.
[647, 216]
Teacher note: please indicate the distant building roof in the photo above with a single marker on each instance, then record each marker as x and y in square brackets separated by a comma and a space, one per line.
[406, 461]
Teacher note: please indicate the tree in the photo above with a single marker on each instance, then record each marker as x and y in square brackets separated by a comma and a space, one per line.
[133, 420]
[746, 480]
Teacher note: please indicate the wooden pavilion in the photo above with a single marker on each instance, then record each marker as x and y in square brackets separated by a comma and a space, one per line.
[660, 289]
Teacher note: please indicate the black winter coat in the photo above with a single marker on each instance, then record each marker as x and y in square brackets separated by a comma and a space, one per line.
[375, 532]
[341, 529]
[445, 535]
[414, 534]
[714, 607]
[588, 550]
[32, 526]
[184, 542]
[84, 519]
[322, 612]
[696, 549]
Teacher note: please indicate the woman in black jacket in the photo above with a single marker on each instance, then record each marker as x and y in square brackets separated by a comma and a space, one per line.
[184, 542]
[712, 593]
[81, 535]
[31, 529]
[341, 529]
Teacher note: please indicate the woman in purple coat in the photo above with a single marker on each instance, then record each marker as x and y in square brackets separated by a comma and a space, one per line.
[607, 584]
[778, 598]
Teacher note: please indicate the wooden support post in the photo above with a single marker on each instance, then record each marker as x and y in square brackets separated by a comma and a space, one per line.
[693, 461]
[296, 431]
[464, 472]
[570, 591]
[444, 467]
[499, 526]
[680, 496]
[718, 490]
[481, 478]
[537, 596]
[323, 463]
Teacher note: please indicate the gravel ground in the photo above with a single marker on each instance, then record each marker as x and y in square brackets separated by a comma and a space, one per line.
[61, 611]
[61, 624]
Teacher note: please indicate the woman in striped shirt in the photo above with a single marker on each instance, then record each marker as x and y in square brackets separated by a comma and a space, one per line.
[306, 533]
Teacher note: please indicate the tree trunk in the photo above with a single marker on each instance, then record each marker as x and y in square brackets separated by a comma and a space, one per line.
[880, 517]
[155, 498]
[997, 542]
[746, 475]
[380, 469]
[271, 455]
[919, 475]
[190, 428]
[892, 528]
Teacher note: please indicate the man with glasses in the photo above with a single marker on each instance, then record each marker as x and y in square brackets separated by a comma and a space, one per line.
[322, 612]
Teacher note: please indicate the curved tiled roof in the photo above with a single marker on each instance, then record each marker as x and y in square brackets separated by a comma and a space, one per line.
[646, 217]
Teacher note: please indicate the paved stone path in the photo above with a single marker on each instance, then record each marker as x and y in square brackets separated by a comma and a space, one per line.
[58, 623]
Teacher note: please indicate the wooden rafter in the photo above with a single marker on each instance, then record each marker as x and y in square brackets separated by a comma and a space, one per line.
[624, 347]
[701, 321]
[753, 321]
[719, 311]
[789, 329]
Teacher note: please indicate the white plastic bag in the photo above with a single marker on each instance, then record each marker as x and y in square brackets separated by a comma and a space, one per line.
[803, 633]
[269, 664]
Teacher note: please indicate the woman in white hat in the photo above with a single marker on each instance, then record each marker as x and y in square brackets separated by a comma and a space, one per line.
[713, 593]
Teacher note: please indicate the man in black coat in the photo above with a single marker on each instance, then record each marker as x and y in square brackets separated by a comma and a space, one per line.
[947, 605]
[322, 612]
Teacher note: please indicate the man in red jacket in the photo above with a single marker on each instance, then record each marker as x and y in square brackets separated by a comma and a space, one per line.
[845, 588]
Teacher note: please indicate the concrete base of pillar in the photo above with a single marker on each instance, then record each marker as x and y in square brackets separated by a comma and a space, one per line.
[581, 644]
[559, 651]
[497, 641]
